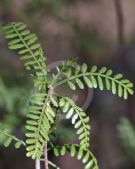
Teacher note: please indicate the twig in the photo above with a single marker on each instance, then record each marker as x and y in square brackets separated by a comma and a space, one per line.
[37, 164]
[46, 156]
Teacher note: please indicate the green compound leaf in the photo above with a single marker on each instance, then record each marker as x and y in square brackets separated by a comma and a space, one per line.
[82, 154]
[126, 133]
[102, 78]
[78, 119]
[41, 116]
[7, 139]
[25, 42]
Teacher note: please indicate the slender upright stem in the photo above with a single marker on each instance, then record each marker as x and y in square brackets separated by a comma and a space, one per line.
[37, 164]
[46, 156]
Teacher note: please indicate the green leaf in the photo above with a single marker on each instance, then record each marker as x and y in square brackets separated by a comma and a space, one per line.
[17, 46]
[108, 85]
[32, 40]
[72, 151]
[89, 165]
[94, 68]
[32, 122]
[68, 72]
[113, 87]
[56, 153]
[84, 67]
[78, 124]
[80, 130]
[77, 69]
[62, 102]
[130, 91]
[100, 82]
[74, 118]
[32, 116]
[86, 157]
[63, 150]
[102, 70]
[30, 135]
[88, 82]
[80, 84]
[50, 111]
[10, 36]
[118, 76]
[14, 41]
[35, 46]
[30, 141]
[120, 92]
[94, 82]
[109, 72]
[54, 102]
[129, 85]
[49, 117]
[86, 119]
[70, 113]
[71, 85]
[125, 94]
[30, 36]
[32, 128]
[66, 107]
[8, 141]
[80, 154]
[25, 32]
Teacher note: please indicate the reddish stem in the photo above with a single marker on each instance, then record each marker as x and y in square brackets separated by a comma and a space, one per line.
[37, 164]
[46, 156]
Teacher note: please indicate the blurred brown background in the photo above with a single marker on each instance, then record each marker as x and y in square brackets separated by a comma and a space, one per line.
[100, 32]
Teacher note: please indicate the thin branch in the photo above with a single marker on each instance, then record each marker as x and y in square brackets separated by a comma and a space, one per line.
[37, 164]
[46, 156]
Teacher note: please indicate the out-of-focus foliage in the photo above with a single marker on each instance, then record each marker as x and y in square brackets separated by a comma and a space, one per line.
[51, 3]
[52, 7]
[6, 139]
[127, 135]
[87, 41]
[10, 96]
[13, 102]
